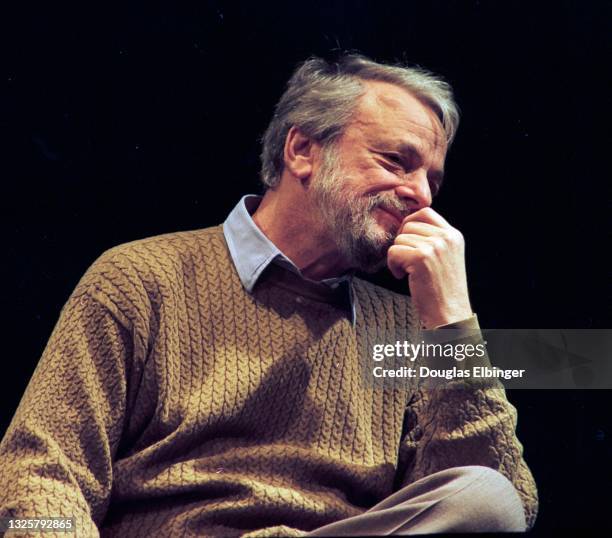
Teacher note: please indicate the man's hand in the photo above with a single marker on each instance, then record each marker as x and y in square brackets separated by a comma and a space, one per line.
[431, 252]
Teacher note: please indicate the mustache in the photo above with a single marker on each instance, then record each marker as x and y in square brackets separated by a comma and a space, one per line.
[388, 201]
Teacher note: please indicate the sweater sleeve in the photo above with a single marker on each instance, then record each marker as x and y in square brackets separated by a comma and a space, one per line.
[466, 425]
[56, 456]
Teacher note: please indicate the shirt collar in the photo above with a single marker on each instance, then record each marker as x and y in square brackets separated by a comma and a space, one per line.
[252, 252]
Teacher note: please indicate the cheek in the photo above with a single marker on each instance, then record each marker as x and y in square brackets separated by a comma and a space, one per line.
[366, 179]
[377, 179]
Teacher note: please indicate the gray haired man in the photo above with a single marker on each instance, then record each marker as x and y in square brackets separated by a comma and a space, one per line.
[210, 383]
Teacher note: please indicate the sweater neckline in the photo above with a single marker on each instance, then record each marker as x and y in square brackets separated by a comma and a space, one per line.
[278, 276]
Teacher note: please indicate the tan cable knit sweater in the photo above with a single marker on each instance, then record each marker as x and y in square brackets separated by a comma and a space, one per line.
[170, 402]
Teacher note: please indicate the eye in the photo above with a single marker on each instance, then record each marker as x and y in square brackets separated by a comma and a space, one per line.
[394, 158]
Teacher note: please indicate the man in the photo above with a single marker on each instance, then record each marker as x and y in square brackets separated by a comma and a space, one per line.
[210, 382]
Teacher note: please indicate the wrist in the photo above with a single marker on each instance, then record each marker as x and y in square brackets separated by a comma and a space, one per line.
[448, 318]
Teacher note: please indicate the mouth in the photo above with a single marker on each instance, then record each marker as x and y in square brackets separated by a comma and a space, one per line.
[393, 216]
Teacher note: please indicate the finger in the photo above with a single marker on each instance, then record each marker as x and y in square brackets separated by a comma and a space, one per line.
[411, 240]
[419, 228]
[400, 259]
[428, 215]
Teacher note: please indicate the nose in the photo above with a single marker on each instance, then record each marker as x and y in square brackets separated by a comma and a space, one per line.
[415, 190]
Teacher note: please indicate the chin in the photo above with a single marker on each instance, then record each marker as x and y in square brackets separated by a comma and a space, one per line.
[386, 223]
[370, 250]
[381, 235]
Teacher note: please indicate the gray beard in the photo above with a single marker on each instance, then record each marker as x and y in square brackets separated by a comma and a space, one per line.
[359, 238]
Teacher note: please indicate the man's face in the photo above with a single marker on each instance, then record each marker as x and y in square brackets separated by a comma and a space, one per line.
[387, 164]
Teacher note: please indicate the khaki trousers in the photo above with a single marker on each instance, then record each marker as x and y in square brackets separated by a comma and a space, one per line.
[460, 499]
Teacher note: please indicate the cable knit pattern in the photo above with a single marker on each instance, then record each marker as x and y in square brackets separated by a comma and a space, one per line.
[170, 402]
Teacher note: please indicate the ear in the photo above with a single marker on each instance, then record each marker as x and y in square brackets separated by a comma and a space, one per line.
[299, 154]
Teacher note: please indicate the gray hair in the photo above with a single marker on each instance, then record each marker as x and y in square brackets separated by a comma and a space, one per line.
[321, 98]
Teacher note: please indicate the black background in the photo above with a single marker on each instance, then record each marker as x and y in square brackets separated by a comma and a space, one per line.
[126, 122]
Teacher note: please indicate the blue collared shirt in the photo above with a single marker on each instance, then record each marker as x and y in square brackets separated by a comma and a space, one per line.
[252, 252]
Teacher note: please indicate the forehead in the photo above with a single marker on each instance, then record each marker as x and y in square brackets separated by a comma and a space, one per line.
[388, 111]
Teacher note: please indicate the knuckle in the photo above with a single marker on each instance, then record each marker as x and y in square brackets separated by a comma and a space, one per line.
[438, 244]
[426, 251]
[454, 236]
